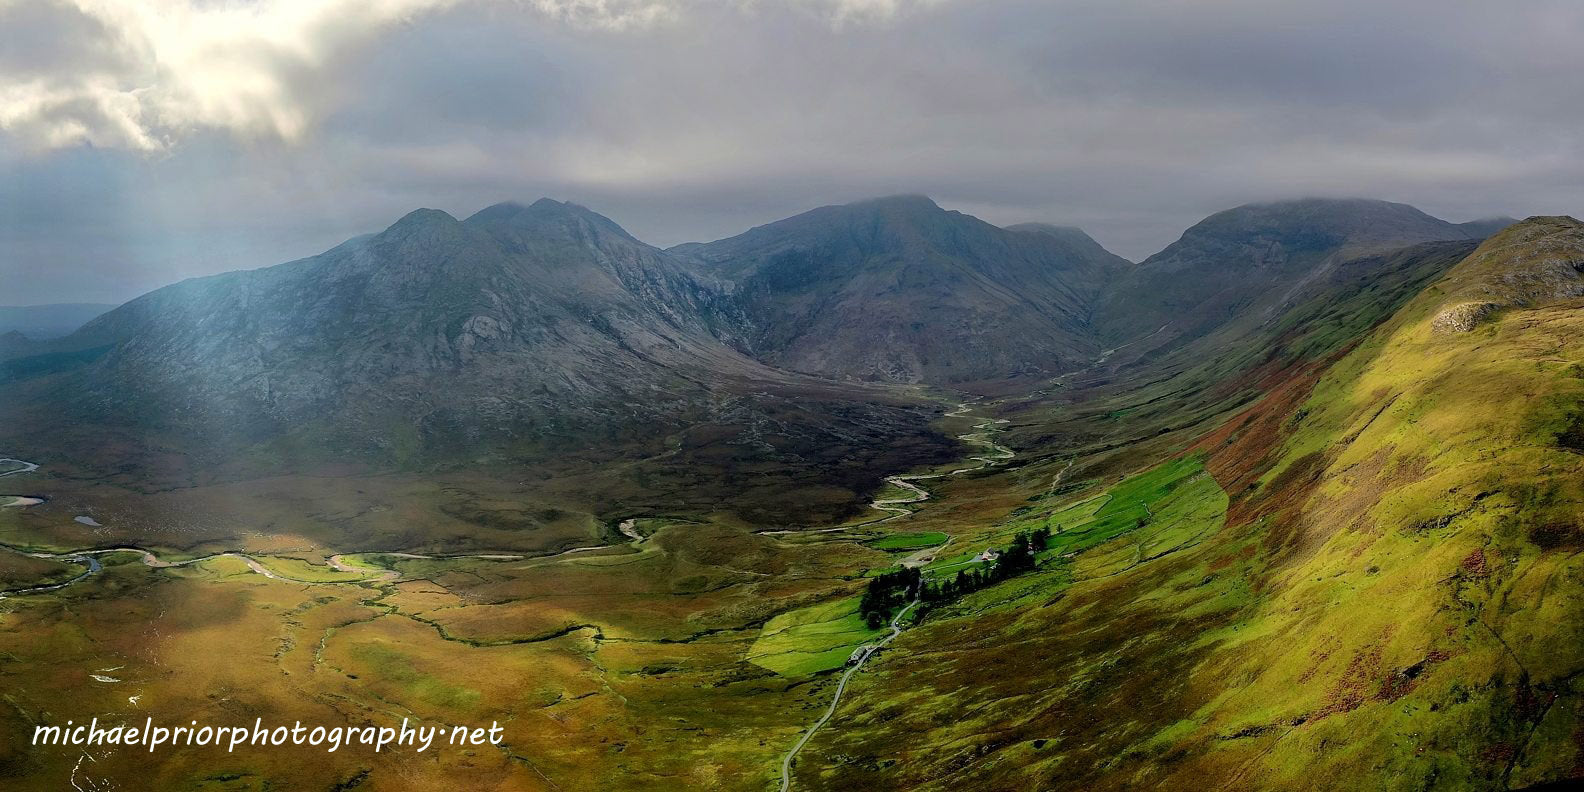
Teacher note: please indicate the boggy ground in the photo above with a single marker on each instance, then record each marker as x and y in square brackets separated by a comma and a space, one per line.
[619, 668]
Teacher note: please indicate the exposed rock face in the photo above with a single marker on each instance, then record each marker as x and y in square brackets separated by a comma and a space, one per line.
[1535, 262]
[1462, 317]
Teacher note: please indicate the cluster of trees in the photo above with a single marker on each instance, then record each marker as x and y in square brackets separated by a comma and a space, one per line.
[886, 593]
[892, 590]
[1014, 560]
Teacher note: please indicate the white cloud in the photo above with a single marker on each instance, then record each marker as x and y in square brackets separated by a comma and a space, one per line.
[181, 65]
[167, 68]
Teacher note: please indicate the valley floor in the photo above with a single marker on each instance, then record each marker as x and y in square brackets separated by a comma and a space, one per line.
[629, 663]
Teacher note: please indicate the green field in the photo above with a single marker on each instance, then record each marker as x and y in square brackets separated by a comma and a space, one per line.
[811, 640]
[908, 541]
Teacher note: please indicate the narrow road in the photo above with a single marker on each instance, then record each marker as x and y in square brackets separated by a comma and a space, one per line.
[841, 687]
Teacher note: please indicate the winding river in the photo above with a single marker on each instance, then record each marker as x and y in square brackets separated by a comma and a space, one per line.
[89, 558]
[893, 508]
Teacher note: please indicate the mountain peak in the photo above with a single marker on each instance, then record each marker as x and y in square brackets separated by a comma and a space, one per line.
[904, 201]
[423, 218]
[1244, 261]
[418, 229]
[898, 289]
[546, 215]
[1319, 210]
[543, 207]
[1351, 226]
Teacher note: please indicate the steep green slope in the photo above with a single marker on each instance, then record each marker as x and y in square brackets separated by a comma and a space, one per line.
[1394, 601]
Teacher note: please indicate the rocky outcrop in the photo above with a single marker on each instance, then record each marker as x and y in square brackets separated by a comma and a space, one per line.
[1462, 317]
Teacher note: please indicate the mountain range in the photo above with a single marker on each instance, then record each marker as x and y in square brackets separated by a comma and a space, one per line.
[526, 330]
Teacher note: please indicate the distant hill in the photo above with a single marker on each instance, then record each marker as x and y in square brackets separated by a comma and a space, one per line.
[42, 322]
[900, 290]
[1249, 259]
[1480, 229]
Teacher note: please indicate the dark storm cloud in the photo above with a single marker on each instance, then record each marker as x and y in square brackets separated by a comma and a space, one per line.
[693, 120]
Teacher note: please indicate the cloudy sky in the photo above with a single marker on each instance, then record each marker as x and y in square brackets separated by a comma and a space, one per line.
[144, 141]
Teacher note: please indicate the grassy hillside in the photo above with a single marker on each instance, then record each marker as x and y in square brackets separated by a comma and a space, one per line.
[1393, 601]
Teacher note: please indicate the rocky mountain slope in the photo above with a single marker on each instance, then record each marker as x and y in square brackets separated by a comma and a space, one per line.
[1532, 263]
[899, 290]
[529, 331]
[548, 311]
[521, 333]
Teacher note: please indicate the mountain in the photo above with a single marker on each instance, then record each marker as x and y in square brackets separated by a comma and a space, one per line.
[1487, 226]
[1081, 244]
[536, 331]
[522, 332]
[899, 290]
[1247, 261]
[41, 322]
[518, 311]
